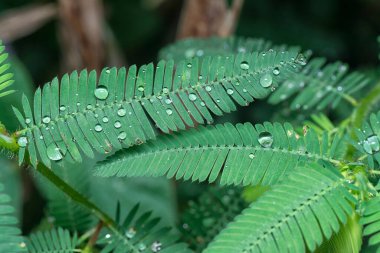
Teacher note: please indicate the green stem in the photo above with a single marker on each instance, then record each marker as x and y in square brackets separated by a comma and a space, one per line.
[76, 196]
[7, 141]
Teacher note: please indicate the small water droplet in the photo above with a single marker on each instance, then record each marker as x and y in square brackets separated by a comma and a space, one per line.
[301, 59]
[266, 80]
[117, 124]
[22, 141]
[230, 91]
[156, 246]
[244, 90]
[98, 128]
[371, 144]
[251, 156]
[101, 92]
[189, 65]
[203, 103]
[168, 101]
[208, 88]
[200, 52]
[28, 121]
[22, 245]
[141, 246]
[276, 71]
[122, 135]
[108, 71]
[165, 90]
[141, 88]
[46, 119]
[62, 108]
[192, 97]
[189, 53]
[339, 88]
[107, 236]
[169, 111]
[105, 119]
[89, 107]
[131, 232]
[121, 112]
[54, 152]
[244, 65]
[265, 139]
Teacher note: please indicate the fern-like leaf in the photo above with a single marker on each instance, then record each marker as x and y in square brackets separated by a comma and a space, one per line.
[83, 114]
[6, 78]
[52, 241]
[293, 216]
[141, 234]
[371, 221]
[11, 240]
[242, 154]
[205, 218]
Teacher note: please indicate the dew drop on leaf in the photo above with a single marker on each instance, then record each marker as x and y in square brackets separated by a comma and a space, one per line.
[46, 120]
[251, 156]
[122, 135]
[371, 144]
[169, 111]
[244, 65]
[266, 80]
[301, 59]
[276, 71]
[89, 107]
[165, 90]
[62, 108]
[203, 103]
[98, 128]
[141, 88]
[230, 91]
[189, 53]
[141, 247]
[121, 112]
[28, 121]
[117, 124]
[156, 246]
[101, 92]
[22, 141]
[192, 97]
[168, 101]
[189, 65]
[265, 139]
[131, 232]
[54, 152]
[208, 88]
[105, 119]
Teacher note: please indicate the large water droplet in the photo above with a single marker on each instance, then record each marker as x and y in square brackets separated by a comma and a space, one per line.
[230, 91]
[54, 152]
[266, 80]
[101, 92]
[22, 141]
[265, 139]
[122, 135]
[169, 111]
[371, 144]
[156, 246]
[244, 65]
[192, 97]
[98, 128]
[117, 124]
[121, 112]
[46, 120]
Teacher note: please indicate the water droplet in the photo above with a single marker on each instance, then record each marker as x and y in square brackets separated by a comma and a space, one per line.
[189, 53]
[165, 90]
[266, 80]
[203, 103]
[301, 59]
[141, 246]
[200, 52]
[28, 121]
[156, 246]
[122, 135]
[189, 65]
[251, 156]
[62, 108]
[230, 91]
[107, 236]
[89, 107]
[46, 119]
[22, 245]
[101, 92]
[244, 65]
[339, 88]
[108, 71]
[105, 119]
[192, 97]
[141, 88]
[98, 128]
[169, 111]
[117, 124]
[131, 232]
[265, 139]
[54, 152]
[168, 101]
[244, 90]
[276, 71]
[121, 112]
[371, 144]
[208, 88]
[22, 141]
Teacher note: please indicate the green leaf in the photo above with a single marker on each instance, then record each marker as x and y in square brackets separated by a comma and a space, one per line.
[295, 215]
[241, 154]
[6, 78]
[80, 114]
[52, 241]
[371, 221]
[11, 240]
[140, 233]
